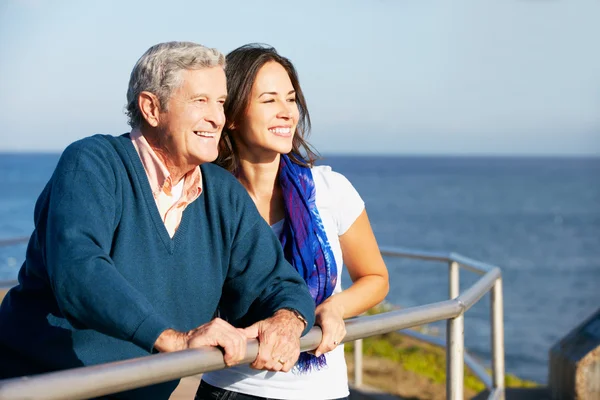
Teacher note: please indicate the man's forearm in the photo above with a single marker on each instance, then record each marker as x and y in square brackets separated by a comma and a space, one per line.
[171, 340]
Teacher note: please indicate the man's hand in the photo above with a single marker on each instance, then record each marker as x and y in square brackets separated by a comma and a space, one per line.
[215, 333]
[278, 341]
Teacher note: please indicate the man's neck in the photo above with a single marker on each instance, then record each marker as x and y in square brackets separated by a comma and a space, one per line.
[176, 170]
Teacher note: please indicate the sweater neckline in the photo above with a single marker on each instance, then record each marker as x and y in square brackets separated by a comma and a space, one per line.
[168, 241]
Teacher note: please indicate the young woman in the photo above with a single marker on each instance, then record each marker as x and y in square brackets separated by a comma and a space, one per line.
[317, 214]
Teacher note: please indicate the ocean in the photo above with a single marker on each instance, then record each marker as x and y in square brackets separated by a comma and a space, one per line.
[538, 219]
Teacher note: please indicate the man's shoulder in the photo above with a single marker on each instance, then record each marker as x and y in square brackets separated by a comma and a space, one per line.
[223, 186]
[215, 176]
[95, 144]
[97, 154]
[214, 169]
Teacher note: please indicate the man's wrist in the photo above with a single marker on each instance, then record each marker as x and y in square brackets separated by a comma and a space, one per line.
[297, 314]
[170, 340]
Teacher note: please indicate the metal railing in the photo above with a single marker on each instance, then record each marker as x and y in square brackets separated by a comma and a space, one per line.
[98, 380]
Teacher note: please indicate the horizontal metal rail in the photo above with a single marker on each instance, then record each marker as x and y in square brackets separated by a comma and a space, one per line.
[473, 294]
[465, 262]
[414, 254]
[13, 241]
[98, 380]
[5, 285]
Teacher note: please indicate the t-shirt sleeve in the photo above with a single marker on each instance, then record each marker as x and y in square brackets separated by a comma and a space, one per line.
[344, 201]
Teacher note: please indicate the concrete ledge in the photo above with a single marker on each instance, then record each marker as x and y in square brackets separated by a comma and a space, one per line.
[365, 392]
[520, 394]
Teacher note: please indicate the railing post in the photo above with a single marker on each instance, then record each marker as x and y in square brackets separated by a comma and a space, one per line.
[453, 280]
[455, 360]
[497, 315]
[455, 341]
[358, 362]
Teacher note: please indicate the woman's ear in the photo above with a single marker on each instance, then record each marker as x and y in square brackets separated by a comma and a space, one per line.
[149, 106]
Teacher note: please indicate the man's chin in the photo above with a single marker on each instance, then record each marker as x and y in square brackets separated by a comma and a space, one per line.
[207, 158]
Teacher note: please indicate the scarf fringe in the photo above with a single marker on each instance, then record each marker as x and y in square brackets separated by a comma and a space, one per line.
[308, 363]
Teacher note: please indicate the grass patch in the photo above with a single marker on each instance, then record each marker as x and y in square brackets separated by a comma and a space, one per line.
[423, 359]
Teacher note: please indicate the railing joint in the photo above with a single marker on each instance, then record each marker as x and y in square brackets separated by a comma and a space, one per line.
[462, 307]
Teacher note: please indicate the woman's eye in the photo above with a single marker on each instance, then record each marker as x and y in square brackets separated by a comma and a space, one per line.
[292, 100]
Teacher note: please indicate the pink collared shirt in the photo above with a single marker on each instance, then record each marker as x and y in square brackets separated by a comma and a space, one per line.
[170, 206]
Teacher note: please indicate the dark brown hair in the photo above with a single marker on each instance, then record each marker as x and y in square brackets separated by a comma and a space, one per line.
[242, 66]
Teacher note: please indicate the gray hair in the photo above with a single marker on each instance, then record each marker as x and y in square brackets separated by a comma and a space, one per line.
[159, 69]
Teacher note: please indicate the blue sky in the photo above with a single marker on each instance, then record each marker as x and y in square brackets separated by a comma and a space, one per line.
[380, 76]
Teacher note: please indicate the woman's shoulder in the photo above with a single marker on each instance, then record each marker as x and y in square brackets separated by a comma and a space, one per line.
[336, 193]
[325, 176]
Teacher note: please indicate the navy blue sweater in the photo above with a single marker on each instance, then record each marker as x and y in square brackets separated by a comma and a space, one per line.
[102, 277]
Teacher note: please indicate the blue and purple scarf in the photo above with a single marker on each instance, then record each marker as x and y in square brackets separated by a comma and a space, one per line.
[304, 241]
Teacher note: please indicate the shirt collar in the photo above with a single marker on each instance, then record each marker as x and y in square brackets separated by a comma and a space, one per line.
[158, 174]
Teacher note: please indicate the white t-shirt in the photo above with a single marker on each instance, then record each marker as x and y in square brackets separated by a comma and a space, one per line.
[339, 205]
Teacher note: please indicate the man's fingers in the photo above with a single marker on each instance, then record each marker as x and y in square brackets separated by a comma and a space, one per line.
[264, 359]
[288, 365]
[251, 332]
[220, 333]
[233, 343]
[279, 346]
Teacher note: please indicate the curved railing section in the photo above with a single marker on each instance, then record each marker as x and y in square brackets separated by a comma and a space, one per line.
[104, 379]
[13, 241]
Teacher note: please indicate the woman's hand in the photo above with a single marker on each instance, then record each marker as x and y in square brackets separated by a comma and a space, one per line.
[330, 317]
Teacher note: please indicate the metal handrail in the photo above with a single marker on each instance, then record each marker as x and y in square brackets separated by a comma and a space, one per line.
[98, 380]
[13, 241]
[5, 285]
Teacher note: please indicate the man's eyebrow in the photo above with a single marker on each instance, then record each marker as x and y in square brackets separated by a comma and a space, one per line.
[199, 95]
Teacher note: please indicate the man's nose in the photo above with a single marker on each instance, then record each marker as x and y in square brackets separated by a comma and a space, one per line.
[216, 115]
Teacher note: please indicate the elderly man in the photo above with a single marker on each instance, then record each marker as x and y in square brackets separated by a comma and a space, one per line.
[139, 242]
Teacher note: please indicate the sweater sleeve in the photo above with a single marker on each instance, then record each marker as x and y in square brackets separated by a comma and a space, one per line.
[260, 280]
[89, 290]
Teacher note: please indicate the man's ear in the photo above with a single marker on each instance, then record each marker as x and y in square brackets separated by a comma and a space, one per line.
[150, 107]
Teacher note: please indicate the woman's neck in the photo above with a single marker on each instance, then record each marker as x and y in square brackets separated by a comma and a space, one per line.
[261, 181]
